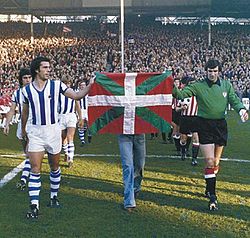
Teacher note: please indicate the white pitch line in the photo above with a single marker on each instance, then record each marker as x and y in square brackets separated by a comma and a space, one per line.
[16, 170]
[11, 174]
[157, 156]
[117, 155]
[12, 155]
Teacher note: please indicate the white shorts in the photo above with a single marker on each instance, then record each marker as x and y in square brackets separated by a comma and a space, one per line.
[85, 114]
[19, 129]
[67, 120]
[44, 138]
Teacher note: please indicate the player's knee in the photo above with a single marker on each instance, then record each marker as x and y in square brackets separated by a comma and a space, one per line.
[183, 139]
[35, 170]
[209, 162]
[70, 138]
[195, 140]
[54, 166]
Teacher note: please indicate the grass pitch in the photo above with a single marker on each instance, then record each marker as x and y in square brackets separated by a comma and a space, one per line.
[171, 203]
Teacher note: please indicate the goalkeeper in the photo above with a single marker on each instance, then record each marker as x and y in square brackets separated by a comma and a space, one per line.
[213, 96]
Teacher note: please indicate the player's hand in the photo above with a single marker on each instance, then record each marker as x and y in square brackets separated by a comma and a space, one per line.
[92, 79]
[80, 123]
[24, 136]
[243, 115]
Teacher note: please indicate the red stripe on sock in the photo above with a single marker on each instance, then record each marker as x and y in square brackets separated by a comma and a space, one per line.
[209, 171]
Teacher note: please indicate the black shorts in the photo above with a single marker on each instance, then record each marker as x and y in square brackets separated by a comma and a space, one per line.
[176, 117]
[188, 124]
[212, 131]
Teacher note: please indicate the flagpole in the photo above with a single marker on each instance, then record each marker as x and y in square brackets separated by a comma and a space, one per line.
[209, 31]
[122, 35]
[31, 30]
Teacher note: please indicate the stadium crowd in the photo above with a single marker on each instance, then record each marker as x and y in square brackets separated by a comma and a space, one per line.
[149, 47]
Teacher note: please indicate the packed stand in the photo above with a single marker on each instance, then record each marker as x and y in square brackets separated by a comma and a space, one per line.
[150, 47]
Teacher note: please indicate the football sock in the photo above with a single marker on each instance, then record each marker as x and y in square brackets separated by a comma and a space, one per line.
[81, 133]
[189, 139]
[55, 179]
[65, 148]
[71, 150]
[26, 170]
[210, 178]
[177, 142]
[183, 146]
[34, 188]
[195, 150]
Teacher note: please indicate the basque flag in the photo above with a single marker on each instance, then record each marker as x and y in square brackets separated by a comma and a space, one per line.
[130, 103]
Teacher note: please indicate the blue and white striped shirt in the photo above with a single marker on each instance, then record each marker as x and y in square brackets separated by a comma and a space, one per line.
[44, 105]
[67, 105]
[17, 97]
[84, 103]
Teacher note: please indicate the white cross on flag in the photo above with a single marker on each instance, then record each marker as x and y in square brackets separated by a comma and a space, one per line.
[131, 103]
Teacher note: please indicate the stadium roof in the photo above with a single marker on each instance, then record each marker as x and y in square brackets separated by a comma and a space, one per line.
[198, 8]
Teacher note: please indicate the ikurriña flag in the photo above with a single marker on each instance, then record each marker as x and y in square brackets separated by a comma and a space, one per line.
[130, 103]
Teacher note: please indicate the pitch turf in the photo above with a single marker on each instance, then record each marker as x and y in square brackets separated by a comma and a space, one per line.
[171, 203]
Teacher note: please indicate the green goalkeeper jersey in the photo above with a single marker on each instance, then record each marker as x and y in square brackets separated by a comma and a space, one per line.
[212, 98]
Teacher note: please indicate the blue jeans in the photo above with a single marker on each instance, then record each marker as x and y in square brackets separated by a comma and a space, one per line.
[133, 152]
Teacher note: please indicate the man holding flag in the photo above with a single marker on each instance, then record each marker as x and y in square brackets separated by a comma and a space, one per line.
[133, 154]
[131, 105]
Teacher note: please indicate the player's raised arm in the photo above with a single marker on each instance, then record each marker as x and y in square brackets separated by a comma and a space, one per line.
[81, 93]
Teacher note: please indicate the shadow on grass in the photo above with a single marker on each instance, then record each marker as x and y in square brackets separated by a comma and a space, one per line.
[84, 216]
[233, 176]
[89, 183]
[191, 193]
[90, 217]
[197, 205]
[245, 194]
[176, 182]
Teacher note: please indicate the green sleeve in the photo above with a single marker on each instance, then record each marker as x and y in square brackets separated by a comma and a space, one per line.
[234, 100]
[186, 92]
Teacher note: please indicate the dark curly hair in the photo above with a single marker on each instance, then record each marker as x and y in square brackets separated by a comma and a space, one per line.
[22, 72]
[213, 63]
[35, 65]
